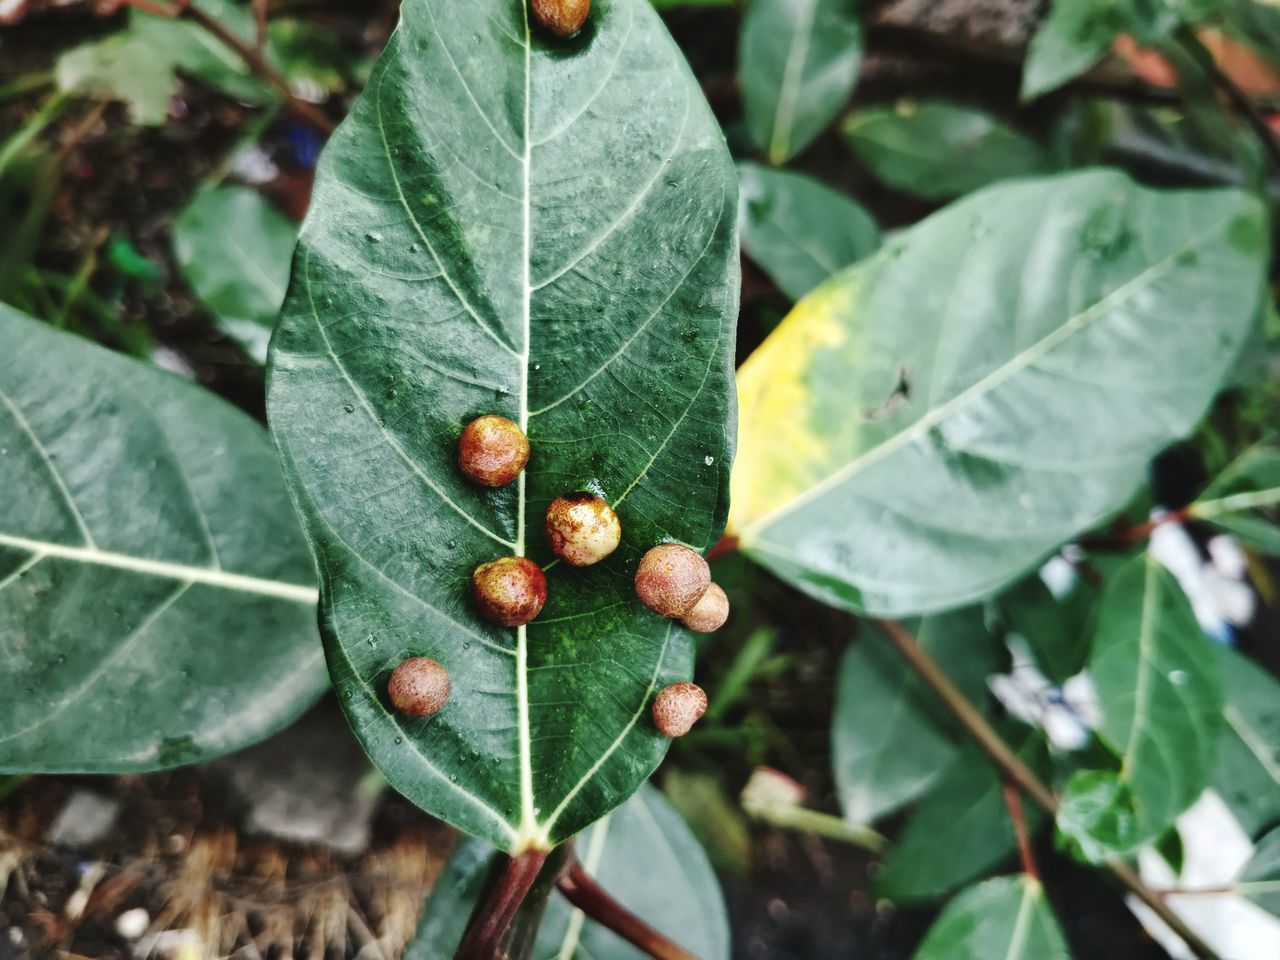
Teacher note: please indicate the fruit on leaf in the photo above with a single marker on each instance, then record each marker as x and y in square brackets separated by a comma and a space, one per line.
[710, 612]
[671, 578]
[582, 529]
[419, 687]
[678, 707]
[564, 18]
[509, 590]
[492, 450]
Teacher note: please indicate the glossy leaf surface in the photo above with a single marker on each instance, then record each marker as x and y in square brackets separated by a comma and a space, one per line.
[1247, 773]
[1006, 917]
[157, 600]
[798, 230]
[798, 61]
[234, 249]
[1260, 880]
[543, 230]
[937, 149]
[1074, 35]
[928, 425]
[890, 740]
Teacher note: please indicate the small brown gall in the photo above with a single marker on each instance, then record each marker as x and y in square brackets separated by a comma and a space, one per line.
[710, 612]
[419, 687]
[492, 450]
[509, 590]
[564, 18]
[582, 529]
[671, 578]
[678, 707]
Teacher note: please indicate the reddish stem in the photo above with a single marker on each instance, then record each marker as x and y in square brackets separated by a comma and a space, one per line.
[725, 545]
[589, 897]
[1013, 803]
[497, 908]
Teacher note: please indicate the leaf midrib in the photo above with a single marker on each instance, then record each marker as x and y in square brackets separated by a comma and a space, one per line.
[1014, 365]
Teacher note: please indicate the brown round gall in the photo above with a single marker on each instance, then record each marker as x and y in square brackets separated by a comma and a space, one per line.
[509, 590]
[419, 687]
[710, 612]
[678, 707]
[564, 18]
[671, 578]
[582, 529]
[492, 450]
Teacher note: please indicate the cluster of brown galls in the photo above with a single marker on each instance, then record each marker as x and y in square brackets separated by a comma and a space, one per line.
[581, 529]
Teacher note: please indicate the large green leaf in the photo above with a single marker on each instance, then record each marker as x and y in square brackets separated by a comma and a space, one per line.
[157, 600]
[643, 854]
[799, 230]
[937, 149]
[1247, 773]
[929, 424]
[544, 231]
[965, 815]
[798, 61]
[1057, 629]
[235, 250]
[889, 743]
[1005, 917]
[1239, 499]
[1160, 693]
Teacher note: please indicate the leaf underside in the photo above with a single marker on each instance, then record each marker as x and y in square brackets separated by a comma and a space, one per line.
[157, 599]
[543, 230]
[925, 427]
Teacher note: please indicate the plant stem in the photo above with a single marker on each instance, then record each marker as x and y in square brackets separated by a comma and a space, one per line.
[1014, 769]
[32, 128]
[822, 824]
[495, 910]
[589, 897]
[1013, 803]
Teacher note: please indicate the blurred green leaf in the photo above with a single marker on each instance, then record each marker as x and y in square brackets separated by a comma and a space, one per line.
[27, 187]
[1160, 692]
[235, 250]
[931, 423]
[1260, 880]
[890, 741]
[1074, 36]
[798, 61]
[129, 262]
[1098, 817]
[1056, 629]
[1005, 917]
[313, 59]
[713, 817]
[1240, 498]
[963, 815]
[798, 230]
[1247, 773]
[938, 150]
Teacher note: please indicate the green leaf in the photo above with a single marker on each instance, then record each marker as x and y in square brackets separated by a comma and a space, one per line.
[1247, 774]
[642, 854]
[889, 741]
[156, 596]
[939, 150]
[139, 64]
[1098, 817]
[27, 188]
[931, 423]
[234, 249]
[799, 231]
[1251, 483]
[798, 61]
[964, 815]
[1074, 36]
[1057, 630]
[505, 224]
[1005, 917]
[1260, 880]
[1160, 692]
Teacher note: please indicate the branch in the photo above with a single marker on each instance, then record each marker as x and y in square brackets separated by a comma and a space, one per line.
[1013, 803]
[1015, 770]
[495, 910]
[589, 897]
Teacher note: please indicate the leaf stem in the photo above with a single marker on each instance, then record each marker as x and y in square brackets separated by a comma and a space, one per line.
[491, 919]
[588, 896]
[1015, 770]
[1013, 803]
